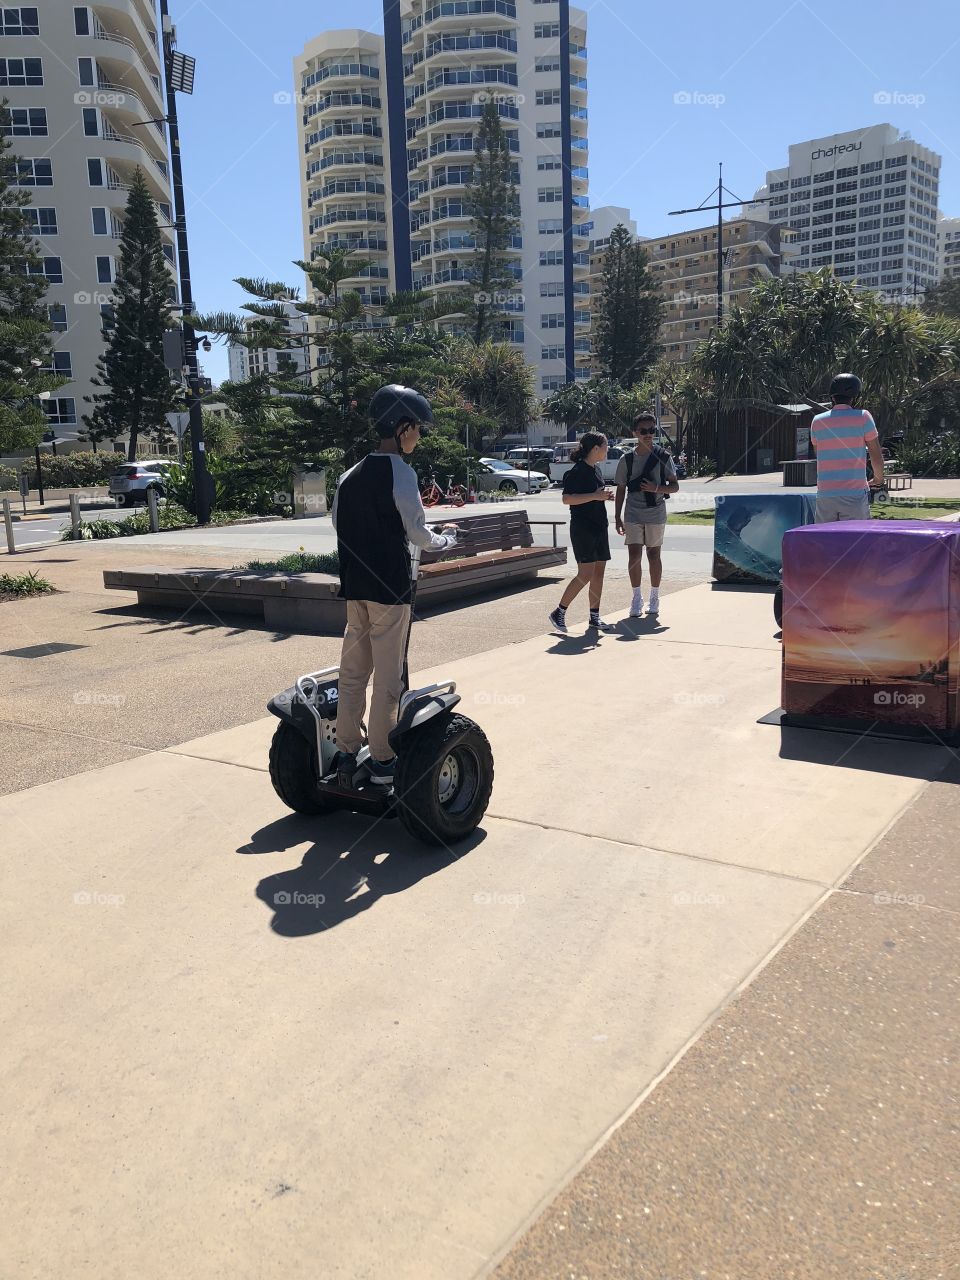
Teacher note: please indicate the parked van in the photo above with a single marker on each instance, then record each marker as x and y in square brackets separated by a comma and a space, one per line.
[561, 463]
[537, 459]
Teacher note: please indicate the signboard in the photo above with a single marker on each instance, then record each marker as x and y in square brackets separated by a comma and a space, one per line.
[803, 443]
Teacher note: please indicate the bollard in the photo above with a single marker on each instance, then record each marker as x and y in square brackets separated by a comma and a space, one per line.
[152, 513]
[75, 514]
[8, 522]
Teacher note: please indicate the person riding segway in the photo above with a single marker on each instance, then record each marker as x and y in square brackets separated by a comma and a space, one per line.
[421, 762]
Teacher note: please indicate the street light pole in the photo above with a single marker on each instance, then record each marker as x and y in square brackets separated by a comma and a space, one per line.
[202, 485]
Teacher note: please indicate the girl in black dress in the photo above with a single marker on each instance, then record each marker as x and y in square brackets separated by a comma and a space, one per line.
[585, 494]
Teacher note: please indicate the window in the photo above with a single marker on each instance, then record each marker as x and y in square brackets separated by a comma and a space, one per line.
[50, 268]
[822, 204]
[551, 257]
[848, 172]
[101, 226]
[846, 186]
[553, 353]
[549, 195]
[551, 289]
[19, 22]
[874, 239]
[58, 317]
[548, 97]
[26, 122]
[21, 72]
[553, 320]
[108, 318]
[91, 125]
[549, 162]
[165, 211]
[847, 242]
[34, 173]
[105, 270]
[61, 412]
[821, 218]
[95, 173]
[827, 176]
[541, 30]
[872, 167]
[550, 226]
[868, 253]
[81, 22]
[43, 222]
[549, 130]
[846, 200]
[62, 364]
[85, 72]
[552, 381]
[549, 63]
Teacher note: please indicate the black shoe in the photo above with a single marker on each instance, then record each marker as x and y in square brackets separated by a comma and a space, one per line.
[343, 767]
[381, 771]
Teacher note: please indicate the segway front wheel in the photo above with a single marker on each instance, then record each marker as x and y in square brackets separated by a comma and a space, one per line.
[778, 605]
[293, 770]
[444, 778]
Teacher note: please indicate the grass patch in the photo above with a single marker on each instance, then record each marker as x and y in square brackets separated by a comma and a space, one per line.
[917, 510]
[692, 517]
[22, 585]
[298, 562]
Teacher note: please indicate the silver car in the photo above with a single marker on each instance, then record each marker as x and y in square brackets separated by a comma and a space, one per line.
[495, 475]
[130, 482]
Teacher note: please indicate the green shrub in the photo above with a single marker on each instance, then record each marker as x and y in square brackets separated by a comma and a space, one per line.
[936, 457]
[241, 484]
[170, 516]
[9, 479]
[298, 562]
[703, 467]
[24, 584]
[75, 470]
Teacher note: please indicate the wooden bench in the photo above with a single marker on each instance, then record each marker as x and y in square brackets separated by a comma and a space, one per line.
[894, 480]
[493, 550]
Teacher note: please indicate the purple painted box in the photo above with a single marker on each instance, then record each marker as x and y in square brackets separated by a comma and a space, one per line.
[871, 621]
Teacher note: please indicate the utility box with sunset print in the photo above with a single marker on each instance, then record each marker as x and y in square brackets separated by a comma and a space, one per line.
[871, 624]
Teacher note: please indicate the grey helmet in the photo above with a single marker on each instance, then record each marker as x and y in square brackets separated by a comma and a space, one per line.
[846, 387]
[394, 404]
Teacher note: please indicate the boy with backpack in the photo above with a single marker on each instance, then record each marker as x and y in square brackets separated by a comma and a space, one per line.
[644, 479]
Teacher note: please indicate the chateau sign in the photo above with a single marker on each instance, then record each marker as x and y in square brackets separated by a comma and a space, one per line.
[823, 152]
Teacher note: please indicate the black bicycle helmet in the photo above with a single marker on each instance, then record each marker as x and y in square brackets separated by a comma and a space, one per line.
[846, 387]
[394, 404]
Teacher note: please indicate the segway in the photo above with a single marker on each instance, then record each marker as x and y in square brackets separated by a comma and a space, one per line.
[444, 770]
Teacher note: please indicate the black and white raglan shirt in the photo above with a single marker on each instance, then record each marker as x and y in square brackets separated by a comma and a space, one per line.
[377, 511]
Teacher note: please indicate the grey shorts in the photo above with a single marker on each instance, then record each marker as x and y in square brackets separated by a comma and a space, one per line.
[854, 505]
[644, 534]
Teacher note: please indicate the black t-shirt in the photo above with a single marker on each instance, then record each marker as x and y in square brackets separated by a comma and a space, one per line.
[583, 479]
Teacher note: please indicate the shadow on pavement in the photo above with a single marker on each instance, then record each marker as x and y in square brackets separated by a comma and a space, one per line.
[898, 757]
[174, 619]
[637, 628]
[346, 871]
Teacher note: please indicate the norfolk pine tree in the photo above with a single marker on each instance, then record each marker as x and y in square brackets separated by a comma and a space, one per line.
[138, 392]
[630, 311]
[24, 323]
[495, 205]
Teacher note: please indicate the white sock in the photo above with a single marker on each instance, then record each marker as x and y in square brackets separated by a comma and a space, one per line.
[654, 596]
[637, 595]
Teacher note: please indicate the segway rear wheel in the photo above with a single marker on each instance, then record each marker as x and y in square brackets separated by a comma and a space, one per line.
[443, 779]
[293, 771]
[778, 605]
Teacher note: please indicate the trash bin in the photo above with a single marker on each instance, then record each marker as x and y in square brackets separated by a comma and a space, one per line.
[799, 471]
[748, 531]
[871, 623]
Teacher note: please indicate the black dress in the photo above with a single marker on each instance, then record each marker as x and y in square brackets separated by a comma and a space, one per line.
[589, 539]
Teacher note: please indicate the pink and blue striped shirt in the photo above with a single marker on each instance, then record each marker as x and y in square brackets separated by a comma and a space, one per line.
[840, 437]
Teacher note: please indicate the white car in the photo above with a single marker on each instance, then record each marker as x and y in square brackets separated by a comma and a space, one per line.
[130, 482]
[495, 475]
[561, 462]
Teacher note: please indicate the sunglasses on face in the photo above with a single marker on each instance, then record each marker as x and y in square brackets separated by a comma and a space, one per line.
[645, 431]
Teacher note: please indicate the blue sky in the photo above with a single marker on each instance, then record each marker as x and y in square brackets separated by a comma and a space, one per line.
[773, 74]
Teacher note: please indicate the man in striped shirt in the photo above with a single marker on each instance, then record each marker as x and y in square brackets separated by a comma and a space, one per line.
[841, 439]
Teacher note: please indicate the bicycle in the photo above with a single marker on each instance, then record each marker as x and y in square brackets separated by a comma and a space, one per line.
[431, 495]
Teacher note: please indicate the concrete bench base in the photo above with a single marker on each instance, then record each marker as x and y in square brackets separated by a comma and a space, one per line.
[308, 602]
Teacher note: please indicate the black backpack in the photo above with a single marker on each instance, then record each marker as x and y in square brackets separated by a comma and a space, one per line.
[657, 456]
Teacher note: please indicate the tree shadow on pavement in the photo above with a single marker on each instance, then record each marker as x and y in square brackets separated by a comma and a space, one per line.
[355, 863]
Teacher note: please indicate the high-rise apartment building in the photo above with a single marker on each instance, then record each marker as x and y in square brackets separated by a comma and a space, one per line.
[81, 80]
[948, 248]
[863, 203]
[247, 362]
[387, 132]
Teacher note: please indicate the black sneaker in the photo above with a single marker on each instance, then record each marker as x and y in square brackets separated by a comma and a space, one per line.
[343, 767]
[558, 621]
[382, 771]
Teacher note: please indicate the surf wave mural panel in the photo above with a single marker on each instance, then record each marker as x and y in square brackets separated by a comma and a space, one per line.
[871, 622]
[748, 533]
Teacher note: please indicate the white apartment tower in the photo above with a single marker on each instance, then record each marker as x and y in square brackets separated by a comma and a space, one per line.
[388, 149]
[948, 248]
[863, 203]
[247, 362]
[80, 80]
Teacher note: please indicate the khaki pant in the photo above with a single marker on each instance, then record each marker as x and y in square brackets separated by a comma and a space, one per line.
[372, 642]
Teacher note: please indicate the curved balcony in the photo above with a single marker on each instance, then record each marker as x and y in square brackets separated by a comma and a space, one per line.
[341, 71]
[119, 62]
[348, 215]
[457, 111]
[359, 244]
[127, 21]
[346, 102]
[342, 130]
[451, 211]
[478, 11]
[346, 160]
[461, 45]
[351, 186]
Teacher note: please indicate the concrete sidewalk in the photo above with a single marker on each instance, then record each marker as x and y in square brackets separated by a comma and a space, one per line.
[217, 1071]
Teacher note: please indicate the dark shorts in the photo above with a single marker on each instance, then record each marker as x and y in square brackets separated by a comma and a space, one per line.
[589, 545]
